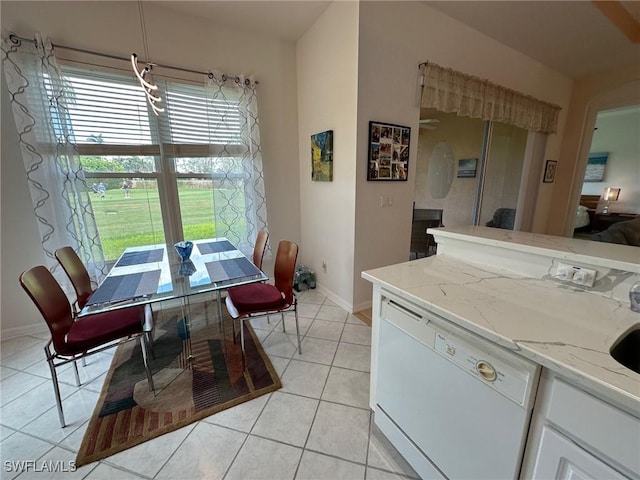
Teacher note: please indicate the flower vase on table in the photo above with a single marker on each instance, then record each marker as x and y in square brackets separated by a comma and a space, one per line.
[187, 268]
[184, 249]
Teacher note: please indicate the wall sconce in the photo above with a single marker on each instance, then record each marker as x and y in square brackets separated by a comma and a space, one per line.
[611, 194]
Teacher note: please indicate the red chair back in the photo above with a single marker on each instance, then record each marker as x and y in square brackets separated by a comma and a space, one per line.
[52, 302]
[285, 268]
[260, 247]
[77, 273]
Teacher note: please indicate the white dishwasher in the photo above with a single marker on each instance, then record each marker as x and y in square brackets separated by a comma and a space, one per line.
[455, 405]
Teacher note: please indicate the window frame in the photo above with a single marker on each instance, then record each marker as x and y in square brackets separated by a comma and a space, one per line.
[165, 153]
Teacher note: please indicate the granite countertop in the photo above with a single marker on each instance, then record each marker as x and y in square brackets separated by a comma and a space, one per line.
[565, 329]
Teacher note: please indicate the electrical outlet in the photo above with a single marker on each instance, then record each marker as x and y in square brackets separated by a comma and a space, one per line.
[575, 274]
[584, 276]
[564, 272]
[324, 266]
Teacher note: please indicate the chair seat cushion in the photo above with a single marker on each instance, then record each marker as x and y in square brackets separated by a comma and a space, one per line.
[95, 330]
[256, 297]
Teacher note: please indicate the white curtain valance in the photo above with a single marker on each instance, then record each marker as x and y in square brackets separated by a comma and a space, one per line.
[450, 91]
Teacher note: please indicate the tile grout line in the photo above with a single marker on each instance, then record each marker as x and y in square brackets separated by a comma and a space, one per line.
[169, 457]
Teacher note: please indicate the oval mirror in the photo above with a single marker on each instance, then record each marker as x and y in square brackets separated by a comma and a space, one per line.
[440, 170]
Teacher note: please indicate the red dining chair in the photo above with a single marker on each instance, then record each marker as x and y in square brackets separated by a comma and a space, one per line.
[73, 339]
[260, 299]
[79, 277]
[260, 248]
[77, 273]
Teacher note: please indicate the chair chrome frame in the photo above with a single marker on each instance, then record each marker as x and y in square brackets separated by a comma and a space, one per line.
[52, 356]
[284, 271]
[265, 313]
[58, 313]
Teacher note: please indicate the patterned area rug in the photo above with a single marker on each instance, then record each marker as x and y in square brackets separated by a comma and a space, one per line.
[128, 414]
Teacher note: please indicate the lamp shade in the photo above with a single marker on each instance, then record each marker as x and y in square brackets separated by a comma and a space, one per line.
[611, 194]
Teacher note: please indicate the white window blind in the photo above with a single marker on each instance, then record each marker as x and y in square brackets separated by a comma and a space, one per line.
[111, 109]
[106, 108]
[195, 119]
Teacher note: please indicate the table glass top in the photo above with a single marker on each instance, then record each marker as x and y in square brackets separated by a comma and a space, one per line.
[154, 273]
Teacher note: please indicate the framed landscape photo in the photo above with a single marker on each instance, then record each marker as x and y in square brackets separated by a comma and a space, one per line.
[549, 171]
[388, 152]
[596, 164]
[467, 167]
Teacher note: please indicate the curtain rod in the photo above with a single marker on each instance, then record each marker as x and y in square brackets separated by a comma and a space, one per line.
[16, 39]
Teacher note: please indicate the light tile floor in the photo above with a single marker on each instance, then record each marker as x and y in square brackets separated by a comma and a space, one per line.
[318, 426]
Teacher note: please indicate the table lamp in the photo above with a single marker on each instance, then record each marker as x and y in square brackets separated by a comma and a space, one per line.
[611, 194]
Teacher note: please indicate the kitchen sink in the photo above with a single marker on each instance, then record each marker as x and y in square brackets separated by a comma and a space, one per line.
[626, 350]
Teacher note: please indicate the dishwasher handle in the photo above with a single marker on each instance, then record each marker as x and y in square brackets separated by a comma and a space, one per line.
[406, 310]
[411, 322]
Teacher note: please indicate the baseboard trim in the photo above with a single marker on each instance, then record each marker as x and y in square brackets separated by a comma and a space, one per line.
[363, 306]
[335, 298]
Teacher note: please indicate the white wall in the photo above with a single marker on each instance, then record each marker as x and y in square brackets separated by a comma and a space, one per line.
[394, 38]
[327, 61]
[617, 134]
[21, 247]
[174, 39]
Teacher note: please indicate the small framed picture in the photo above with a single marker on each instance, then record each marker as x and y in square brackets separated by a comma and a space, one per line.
[596, 164]
[467, 167]
[322, 156]
[388, 152]
[549, 171]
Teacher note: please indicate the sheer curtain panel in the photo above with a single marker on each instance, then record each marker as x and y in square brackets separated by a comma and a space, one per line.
[53, 171]
[239, 200]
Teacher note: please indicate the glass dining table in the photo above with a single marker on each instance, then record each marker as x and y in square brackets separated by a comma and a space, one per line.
[156, 276]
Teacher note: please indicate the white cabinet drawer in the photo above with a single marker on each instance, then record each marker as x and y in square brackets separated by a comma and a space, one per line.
[562, 459]
[596, 424]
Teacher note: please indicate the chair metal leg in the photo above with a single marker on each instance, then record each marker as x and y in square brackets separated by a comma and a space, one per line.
[233, 322]
[283, 326]
[233, 329]
[149, 342]
[75, 371]
[242, 336]
[56, 390]
[295, 311]
[148, 327]
[144, 346]
[242, 343]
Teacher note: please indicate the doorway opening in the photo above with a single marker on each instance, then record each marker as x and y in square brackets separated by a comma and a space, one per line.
[469, 169]
[613, 169]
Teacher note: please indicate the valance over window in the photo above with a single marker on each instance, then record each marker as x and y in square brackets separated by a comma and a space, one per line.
[451, 91]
